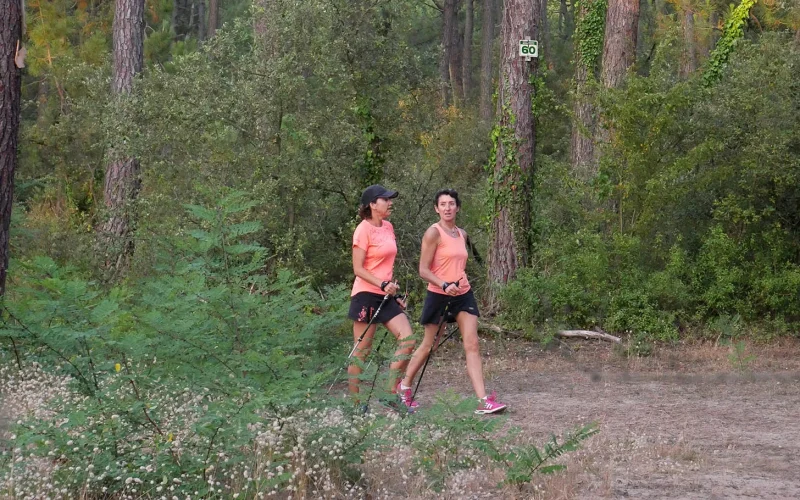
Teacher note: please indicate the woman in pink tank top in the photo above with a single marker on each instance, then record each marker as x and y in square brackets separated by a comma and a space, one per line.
[443, 263]
[374, 250]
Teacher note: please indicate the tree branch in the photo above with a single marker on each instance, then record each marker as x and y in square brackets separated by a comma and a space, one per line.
[585, 334]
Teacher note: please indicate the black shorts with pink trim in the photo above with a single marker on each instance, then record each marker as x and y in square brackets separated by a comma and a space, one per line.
[364, 305]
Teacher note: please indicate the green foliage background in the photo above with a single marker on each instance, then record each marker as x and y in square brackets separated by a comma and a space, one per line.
[255, 146]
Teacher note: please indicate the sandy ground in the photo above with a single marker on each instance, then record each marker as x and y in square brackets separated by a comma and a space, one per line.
[689, 422]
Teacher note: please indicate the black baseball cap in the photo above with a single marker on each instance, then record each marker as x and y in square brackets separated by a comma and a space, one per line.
[376, 191]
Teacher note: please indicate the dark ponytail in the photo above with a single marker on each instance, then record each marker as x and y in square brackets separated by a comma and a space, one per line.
[365, 212]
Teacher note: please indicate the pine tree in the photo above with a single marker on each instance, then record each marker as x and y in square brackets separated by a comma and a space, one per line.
[10, 43]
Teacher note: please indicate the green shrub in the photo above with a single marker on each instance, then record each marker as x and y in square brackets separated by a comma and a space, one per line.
[205, 380]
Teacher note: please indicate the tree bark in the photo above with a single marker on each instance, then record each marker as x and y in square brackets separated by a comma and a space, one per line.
[10, 81]
[487, 55]
[510, 236]
[213, 17]
[582, 154]
[201, 20]
[544, 32]
[619, 47]
[713, 20]
[128, 44]
[689, 62]
[448, 25]
[562, 20]
[619, 53]
[182, 18]
[466, 59]
[583, 127]
[456, 58]
[122, 175]
[646, 33]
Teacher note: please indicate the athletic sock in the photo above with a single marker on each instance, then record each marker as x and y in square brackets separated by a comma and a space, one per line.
[403, 387]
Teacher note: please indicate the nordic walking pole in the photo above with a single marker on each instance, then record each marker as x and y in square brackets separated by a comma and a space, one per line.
[433, 344]
[405, 297]
[377, 370]
[446, 339]
[360, 338]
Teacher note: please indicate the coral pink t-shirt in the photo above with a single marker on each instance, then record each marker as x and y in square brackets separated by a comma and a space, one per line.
[381, 249]
[450, 261]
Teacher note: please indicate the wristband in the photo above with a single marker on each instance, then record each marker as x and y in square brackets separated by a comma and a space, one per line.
[383, 285]
[445, 285]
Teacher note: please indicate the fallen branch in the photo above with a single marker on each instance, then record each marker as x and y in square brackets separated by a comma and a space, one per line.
[585, 334]
[482, 325]
[588, 334]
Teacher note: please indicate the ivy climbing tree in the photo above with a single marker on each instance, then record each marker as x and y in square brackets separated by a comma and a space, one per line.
[734, 30]
[588, 49]
[511, 161]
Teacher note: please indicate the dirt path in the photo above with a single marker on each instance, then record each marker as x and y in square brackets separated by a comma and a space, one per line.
[688, 422]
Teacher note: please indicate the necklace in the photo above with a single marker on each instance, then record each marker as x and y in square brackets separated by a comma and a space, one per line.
[453, 232]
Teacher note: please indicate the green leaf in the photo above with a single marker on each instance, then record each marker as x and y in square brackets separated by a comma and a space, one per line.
[549, 469]
[101, 312]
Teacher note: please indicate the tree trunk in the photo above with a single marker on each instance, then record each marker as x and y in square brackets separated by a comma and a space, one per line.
[562, 20]
[713, 20]
[487, 54]
[213, 17]
[182, 18]
[122, 174]
[10, 81]
[456, 59]
[42, 99]
[619, 47]
[448, 26]
[510, 237]
[466, 59]
[582, 155]
[201, 20]
[689, 62]
[544, 32]
[646, 35]
[619, 53]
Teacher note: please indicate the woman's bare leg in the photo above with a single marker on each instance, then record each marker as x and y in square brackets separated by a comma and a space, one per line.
[402, 331]
[421, 354]
[362, 351]
[468, 324]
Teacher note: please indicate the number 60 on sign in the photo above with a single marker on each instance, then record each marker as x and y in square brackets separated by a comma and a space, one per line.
[528, 49]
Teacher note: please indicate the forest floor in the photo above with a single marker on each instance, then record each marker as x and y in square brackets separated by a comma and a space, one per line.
[695, 421]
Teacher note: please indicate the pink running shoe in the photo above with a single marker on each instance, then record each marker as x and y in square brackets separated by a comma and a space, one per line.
[407, 398]
[489, 405]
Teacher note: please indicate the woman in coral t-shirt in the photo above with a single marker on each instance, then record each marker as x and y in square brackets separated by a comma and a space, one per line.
[374, 250]
[443, 263]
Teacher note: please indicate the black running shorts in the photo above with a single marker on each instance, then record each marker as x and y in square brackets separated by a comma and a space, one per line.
[364, 305]
[435, 304]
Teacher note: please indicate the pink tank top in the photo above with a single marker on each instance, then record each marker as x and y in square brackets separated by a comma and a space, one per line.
[450, 261]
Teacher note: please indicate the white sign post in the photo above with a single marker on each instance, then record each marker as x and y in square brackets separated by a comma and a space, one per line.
[528, 49]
